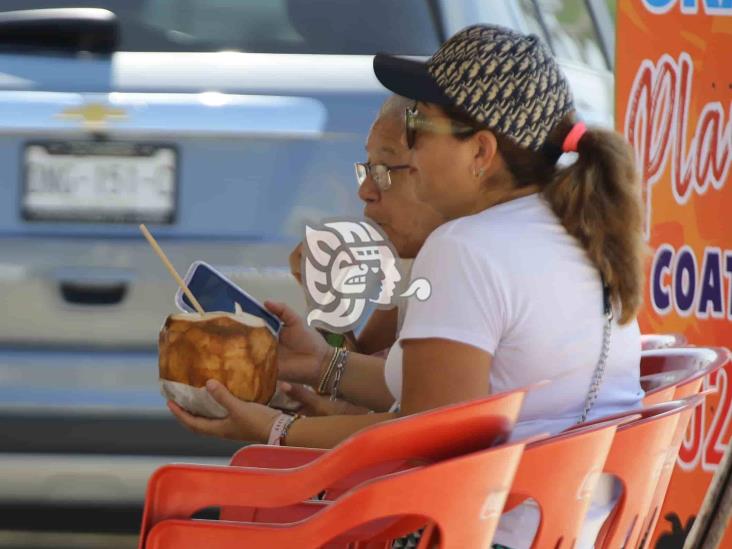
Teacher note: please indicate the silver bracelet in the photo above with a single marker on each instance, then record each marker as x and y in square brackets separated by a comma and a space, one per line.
[338, 369]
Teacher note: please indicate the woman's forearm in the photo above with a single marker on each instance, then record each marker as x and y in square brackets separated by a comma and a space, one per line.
[328, 431]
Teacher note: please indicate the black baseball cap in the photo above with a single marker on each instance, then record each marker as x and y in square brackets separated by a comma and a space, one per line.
[504, 80]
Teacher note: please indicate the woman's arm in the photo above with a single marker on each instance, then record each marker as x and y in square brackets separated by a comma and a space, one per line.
[329, 431]
[437, 372]
[252, 422]
[441, 371]
[303, 355]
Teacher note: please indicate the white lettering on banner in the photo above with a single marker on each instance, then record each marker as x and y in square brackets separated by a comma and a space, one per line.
[690, 7]
[656, 125]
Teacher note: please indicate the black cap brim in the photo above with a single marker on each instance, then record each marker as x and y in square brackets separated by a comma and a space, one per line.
[408, 78]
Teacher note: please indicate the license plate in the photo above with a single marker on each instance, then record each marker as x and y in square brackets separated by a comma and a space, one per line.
[110, 182]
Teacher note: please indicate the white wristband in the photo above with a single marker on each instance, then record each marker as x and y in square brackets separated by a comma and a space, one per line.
[279, 428]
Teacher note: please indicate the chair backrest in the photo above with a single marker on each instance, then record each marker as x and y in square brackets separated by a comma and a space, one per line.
[448, 431]
[560, 474]
[678, 370]
[429, 436]
[662, 386]
[661, 341]
[463, 496]
[668, 467]
[637, 458]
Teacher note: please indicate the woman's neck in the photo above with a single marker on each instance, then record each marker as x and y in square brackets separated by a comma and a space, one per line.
[492, 197]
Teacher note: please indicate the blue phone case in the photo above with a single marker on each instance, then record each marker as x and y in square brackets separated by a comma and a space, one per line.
[215, 292]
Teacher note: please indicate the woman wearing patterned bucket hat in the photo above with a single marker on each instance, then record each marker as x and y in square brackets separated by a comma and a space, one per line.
[538, 272]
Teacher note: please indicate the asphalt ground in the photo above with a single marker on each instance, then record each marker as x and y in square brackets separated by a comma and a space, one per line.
[73, 527]
[20, 539]
[67, 527]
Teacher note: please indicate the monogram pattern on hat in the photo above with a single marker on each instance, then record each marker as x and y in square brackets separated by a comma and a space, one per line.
[506, 80]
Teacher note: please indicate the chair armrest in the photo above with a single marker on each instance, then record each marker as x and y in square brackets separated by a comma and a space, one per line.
[274, 457]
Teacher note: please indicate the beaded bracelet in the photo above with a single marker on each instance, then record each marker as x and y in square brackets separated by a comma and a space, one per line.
[338, 369]
[325, 376]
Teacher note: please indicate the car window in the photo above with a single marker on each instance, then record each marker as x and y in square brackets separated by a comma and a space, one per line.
[569, 29]
[266, 26]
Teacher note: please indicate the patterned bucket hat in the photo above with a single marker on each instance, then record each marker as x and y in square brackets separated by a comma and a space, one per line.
[500, 78]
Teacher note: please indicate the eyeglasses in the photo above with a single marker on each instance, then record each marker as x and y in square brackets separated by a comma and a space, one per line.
[380, 173]
[414, 121]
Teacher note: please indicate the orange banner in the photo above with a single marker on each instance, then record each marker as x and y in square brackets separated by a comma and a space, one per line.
[674, 104]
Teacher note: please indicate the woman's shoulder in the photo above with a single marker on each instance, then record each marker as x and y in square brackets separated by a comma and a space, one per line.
[494, 228]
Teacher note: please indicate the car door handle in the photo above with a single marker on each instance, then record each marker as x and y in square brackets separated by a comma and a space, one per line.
[93, 293]
[93, 285]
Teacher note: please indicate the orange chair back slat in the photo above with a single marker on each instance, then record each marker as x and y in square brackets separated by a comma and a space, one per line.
[668, 466]
[677, 373]
[560, 473]
[637, 457]
[465, 511]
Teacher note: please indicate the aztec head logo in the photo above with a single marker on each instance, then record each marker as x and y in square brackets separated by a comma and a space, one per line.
[346, 265]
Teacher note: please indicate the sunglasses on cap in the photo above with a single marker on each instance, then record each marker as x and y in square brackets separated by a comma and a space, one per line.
[416, 121]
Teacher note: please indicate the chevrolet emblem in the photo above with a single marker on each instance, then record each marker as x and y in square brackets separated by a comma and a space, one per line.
[93, 116]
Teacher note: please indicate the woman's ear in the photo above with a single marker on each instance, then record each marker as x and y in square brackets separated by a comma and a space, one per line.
[486, 151]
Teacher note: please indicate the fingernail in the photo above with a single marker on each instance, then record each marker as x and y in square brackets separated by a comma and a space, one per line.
[286, 387]
[211, 385]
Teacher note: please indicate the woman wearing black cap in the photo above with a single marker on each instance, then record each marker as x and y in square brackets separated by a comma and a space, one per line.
[537, 273]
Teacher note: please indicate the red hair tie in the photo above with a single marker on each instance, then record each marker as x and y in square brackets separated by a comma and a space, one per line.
[573, 137]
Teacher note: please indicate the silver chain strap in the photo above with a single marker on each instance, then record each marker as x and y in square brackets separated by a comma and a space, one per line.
[597, 376]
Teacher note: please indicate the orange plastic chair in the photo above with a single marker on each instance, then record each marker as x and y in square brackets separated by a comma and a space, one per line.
[636, 458]
[661, 341]
[560, 474]
[282, 457]
[179, 491]
[677, 373]
[465, 510]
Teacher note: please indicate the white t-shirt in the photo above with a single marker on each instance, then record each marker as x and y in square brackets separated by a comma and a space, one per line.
[510, 280]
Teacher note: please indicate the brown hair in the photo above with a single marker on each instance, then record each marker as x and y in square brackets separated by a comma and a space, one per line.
[597, 198]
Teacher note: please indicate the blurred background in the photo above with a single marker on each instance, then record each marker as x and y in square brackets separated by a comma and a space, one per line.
[224, 125]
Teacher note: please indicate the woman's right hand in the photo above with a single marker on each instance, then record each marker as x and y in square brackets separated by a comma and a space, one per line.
[301, 351]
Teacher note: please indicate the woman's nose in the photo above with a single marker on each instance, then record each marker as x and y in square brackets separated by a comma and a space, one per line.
[368, 191]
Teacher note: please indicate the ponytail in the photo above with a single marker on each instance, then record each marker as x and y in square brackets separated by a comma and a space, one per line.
[598, 200]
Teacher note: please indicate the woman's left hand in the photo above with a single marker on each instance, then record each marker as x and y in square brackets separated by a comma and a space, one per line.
[247, 421]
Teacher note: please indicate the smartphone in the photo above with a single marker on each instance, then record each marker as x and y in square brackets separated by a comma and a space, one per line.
[215, 292]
